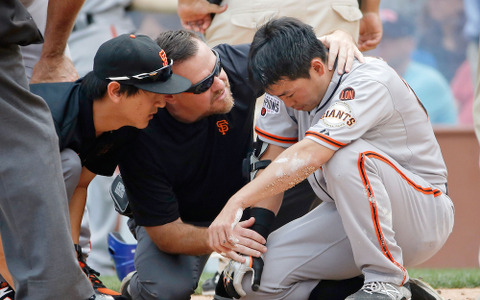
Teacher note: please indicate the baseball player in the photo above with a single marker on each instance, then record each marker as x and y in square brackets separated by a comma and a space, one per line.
[366, 145]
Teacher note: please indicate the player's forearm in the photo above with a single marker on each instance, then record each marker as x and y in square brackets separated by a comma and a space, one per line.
[290, 168]
[61, 17]
[76, 205]
[271, 203]
[180, 238]
[76, 208]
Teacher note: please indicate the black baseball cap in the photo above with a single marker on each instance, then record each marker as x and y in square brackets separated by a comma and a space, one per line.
[137, 60]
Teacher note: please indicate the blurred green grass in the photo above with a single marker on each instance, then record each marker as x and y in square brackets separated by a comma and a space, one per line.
[437, 278]
[113, 283]
[448, 278]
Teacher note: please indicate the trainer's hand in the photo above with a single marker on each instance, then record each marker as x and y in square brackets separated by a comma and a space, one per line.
[196, 14]
[342, 46]
[235, 271]
[242, 242]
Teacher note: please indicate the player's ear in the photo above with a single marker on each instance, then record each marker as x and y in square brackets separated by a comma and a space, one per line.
[317, 65]
[113, 91]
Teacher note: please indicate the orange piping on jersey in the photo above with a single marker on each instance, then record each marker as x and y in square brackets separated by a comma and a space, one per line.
[326, 139]
[374, 211]
[275, 138]
[251, 262]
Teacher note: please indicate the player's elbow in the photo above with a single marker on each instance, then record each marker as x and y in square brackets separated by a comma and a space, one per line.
[316, 153]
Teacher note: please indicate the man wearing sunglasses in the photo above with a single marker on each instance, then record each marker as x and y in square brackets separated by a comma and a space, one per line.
[188, 161]
[99, 114]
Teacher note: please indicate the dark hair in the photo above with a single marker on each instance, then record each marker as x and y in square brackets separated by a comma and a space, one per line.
[179, 45]
[95, 88]
[282, 48]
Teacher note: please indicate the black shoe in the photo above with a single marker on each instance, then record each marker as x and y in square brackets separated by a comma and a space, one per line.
[6, 291]
[340, 289]
[220, 291]
[422, 290]
[101, 291]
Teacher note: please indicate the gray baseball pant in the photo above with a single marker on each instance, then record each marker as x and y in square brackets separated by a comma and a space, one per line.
[163, 276]
[340, 240]
[34, 221]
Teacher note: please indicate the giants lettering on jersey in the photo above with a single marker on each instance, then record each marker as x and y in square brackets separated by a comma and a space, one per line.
[271, 105]
[338, 115]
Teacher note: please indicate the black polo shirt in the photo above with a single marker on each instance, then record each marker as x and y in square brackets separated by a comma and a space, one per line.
[72, 113]
[190, 170]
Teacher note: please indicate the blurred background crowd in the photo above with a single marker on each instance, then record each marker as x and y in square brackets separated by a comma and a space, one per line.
[433, 44]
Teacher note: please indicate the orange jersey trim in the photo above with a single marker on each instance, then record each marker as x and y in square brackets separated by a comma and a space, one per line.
[373, 204]
[326, 139]
[276, 138]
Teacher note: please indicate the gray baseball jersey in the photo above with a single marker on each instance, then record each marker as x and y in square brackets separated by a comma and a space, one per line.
[384, 188]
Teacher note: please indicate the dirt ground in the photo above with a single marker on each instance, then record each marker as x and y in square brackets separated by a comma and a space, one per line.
[460, 294]
[447, 294]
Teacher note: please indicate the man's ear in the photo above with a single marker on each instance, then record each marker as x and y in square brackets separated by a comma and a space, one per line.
[113, 91]
[169, 98]
[318, 66]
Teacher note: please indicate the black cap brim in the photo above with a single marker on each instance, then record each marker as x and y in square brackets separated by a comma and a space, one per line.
[174, 85]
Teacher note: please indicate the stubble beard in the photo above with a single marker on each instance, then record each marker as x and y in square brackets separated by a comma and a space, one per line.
[226, 105]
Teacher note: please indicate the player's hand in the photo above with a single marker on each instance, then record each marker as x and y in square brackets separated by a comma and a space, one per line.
[54, 69]
[235, 271]
[196, 14]
[342, 47]
[371, 31]
[227, 236]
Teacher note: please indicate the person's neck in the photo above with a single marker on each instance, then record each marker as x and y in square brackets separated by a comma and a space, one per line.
[328, 77]
[105, 117]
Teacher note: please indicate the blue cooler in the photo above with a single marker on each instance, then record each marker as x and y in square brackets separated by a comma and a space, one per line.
[122, 254]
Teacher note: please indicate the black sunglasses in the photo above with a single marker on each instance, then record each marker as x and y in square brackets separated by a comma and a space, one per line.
[161, 74]
[206, 83]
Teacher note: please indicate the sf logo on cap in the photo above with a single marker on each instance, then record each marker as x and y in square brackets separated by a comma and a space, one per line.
[163, 56]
